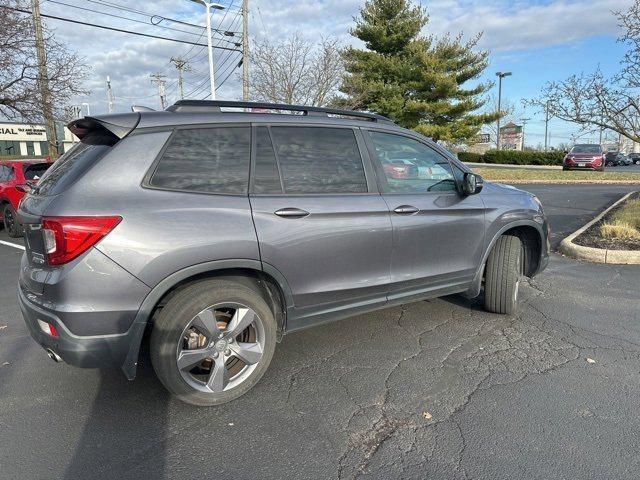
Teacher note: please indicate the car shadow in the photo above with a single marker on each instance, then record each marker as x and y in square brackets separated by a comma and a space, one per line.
[476, 304]
[125, 432]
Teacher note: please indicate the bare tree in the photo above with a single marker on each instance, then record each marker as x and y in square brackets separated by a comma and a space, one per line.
[510, 112]
[295, 71]
[19, 94]
[595, 101]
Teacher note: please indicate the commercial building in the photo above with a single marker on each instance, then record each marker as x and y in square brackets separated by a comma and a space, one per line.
[25, 140]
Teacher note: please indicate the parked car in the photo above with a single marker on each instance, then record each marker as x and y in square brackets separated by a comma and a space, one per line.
[610, 159]
[218, 232]
[16, 177]
[623, 160]
[584, 156]
[635, 158]
[400, 169]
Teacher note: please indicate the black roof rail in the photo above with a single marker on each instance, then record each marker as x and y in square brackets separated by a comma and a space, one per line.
[210, 106]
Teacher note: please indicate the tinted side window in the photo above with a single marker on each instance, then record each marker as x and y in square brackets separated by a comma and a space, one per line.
[319, 160]
[3, 173]
[408, 166]
[209, 160]
[266, 178]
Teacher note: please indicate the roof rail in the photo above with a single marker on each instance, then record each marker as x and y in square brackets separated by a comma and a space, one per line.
[211, 106]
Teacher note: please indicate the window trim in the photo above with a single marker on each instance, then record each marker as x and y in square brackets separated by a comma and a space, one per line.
[364, 158]
[377, 165]
[146, 180]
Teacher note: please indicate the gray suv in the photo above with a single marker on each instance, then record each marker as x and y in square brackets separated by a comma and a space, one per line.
[217, 227]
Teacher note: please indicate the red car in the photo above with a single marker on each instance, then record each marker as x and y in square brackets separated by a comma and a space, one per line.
[16, 176]
[585, 156]
[400, 169]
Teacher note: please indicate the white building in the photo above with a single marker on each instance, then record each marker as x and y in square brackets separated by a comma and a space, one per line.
[24, 140]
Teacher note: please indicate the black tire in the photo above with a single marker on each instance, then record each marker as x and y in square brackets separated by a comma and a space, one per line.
[502, 276]
[601, 169]
[565, 168]
[11, 223]
[174, 317]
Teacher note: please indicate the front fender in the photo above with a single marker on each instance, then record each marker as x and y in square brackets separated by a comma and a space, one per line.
[541, 228]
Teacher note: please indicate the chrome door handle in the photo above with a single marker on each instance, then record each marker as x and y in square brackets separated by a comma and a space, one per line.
[406, 210]
[291, 212]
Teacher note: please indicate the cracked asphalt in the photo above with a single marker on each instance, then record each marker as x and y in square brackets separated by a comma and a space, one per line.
[437, 389]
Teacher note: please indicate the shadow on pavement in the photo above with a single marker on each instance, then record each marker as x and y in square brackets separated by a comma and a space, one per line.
[125, 432]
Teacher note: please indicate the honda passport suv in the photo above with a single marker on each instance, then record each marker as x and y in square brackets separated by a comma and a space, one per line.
[219, 231]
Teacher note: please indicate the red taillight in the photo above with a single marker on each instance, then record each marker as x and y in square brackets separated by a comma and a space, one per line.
[66, 238]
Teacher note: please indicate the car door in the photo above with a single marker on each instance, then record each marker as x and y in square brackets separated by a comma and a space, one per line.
[438, 234]
[319, 219]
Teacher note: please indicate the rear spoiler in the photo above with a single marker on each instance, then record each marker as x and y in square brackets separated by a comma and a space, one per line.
[119, 125]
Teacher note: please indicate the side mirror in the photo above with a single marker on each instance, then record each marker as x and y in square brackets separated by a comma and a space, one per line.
[23, 187]
[471, 183]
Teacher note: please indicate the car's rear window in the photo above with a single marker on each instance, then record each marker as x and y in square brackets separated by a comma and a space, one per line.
[75, 163]
[586, 149]
[35, 171]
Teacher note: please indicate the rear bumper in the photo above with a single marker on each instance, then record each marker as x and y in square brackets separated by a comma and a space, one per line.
[96, 351]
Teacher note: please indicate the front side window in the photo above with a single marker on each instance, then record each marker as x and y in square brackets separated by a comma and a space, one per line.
[408, 166]
[207, 160]
[318, 160]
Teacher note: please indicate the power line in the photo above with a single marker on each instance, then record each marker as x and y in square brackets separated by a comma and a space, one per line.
[150, 23]
[104, 27]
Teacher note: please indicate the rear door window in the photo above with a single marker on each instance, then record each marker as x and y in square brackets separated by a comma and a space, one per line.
[206, 160]
[318, 160]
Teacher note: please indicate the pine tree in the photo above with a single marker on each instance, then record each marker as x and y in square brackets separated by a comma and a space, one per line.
[417, 81]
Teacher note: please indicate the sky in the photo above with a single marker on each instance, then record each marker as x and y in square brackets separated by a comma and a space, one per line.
[537, 40]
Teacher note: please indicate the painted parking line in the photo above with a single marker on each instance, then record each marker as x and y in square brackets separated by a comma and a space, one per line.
[14, 245]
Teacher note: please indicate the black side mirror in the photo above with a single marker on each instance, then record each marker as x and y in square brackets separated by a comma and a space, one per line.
[471, 183]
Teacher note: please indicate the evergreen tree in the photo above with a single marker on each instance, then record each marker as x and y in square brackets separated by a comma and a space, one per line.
[417, 81]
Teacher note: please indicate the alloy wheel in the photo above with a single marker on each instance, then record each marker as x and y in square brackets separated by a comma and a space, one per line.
[220, 347]
[9, 220]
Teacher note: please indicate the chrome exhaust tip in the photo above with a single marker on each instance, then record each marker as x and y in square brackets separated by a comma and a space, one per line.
[53, 355]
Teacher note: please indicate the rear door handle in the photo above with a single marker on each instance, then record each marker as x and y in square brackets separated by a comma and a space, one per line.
[406, 210]
[291, 212]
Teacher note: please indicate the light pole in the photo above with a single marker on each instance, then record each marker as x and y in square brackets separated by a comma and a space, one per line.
[500, 76]
[208, 6]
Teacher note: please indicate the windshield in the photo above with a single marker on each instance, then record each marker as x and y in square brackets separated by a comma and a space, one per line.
[586, 149]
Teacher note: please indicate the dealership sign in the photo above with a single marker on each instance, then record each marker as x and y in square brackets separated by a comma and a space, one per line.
[22, 133]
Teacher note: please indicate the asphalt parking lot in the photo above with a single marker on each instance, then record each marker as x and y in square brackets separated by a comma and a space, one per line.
[435, 389]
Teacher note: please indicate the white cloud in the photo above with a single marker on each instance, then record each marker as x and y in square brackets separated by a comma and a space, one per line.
[508, 26]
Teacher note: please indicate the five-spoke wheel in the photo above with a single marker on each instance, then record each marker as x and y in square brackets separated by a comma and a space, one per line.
[213, 340]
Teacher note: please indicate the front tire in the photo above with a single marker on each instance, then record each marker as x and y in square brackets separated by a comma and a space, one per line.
[213, 341]
[11, 222]
[502, 276]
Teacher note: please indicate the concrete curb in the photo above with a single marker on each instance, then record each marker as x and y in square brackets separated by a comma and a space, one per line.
[599, 255]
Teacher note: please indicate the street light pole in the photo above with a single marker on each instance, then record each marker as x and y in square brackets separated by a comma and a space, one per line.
[208, 6]
[500, 76]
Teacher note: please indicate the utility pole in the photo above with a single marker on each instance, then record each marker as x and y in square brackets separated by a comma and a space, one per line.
[546, 125]
[245, 50]
[43, 81]
[180, 65]
[500, 76]
[524, 121]
[159, 80]
[109, 96]
[208, 6]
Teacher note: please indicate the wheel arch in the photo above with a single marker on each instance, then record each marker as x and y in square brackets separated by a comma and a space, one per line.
[532, 237]
[265, 277]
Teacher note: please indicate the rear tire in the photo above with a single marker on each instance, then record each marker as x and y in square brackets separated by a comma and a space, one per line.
[195, 384]
[11, 223]
[502, 276]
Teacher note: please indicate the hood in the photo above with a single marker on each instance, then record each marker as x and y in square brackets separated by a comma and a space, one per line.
[503, 188]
